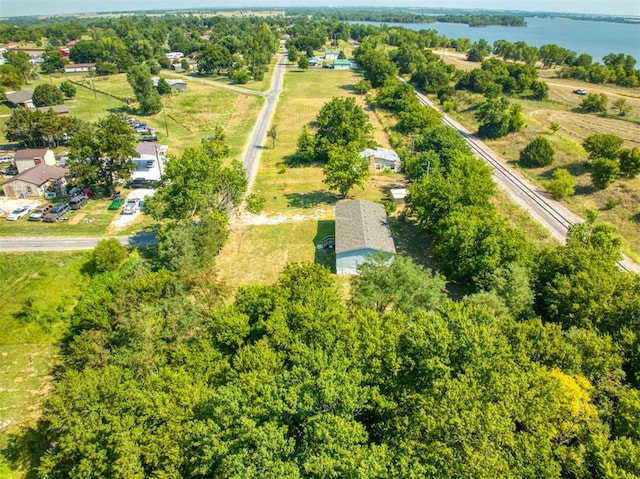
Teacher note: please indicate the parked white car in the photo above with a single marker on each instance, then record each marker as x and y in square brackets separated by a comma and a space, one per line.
[131, 206]
[19, 213]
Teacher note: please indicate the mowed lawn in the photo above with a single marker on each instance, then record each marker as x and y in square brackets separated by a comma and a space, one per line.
[187, 117]
[300, 209]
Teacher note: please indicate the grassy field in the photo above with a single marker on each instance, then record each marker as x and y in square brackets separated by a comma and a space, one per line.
[42, 288]
[619, 204]
[299, 206]
[190, 115]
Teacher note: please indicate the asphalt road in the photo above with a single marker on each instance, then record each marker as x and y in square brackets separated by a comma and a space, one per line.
[253, 149]
[63, 243]
[250, 160]
[541, 206]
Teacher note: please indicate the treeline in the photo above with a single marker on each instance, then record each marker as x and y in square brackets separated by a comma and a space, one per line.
[395, 16]
[161, 378]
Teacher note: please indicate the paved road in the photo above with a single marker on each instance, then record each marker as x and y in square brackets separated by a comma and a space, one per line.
[542, 207]
[251, 156]
[64, 243]
[250, 160]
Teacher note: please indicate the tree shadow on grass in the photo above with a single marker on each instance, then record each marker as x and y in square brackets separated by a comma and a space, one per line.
[24, 450]
[585, 190]
[311, 199]
[349, 88]
[577, 169]
[296, 161]
[325, 256]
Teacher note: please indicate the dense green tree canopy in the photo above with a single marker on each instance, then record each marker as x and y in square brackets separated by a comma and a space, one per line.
[47, 95]
[139, 77]
[102, 152]
[197, 184]
[341, 123]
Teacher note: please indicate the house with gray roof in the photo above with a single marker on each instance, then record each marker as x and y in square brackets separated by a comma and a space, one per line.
[362, 231]
[35, 182]
[382, 159]
[19, 98]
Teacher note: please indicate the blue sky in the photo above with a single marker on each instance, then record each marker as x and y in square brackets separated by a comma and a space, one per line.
[9, 8]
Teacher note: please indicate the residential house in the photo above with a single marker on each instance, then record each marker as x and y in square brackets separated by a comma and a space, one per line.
[362, 231]
[35, 182]
[79, 67]
[174, 55]
[382, 159]
[176, 85]
[20, 98]
[150, 161]
[341, 65]
[314, 61]
[32, 157]
[331, 54]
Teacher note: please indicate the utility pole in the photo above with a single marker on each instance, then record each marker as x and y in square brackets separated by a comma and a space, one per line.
[166, 128]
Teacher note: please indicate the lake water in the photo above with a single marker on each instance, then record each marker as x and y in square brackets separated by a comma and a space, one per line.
[594, 38]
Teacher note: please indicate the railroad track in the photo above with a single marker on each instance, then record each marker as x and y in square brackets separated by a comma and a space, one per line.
[556, 218]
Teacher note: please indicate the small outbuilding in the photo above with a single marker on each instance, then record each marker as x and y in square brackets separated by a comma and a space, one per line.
[57, 109]
[32, 157]
[362, 231]
[35, 182]
[79, 67]
[341, 64]
[399, 195]
[331, 54]
[19, 98]
[382, 159]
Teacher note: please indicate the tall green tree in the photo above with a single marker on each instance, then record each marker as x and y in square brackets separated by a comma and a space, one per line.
[342, 123]
[52, 61]
[603, 145]
[102, 152]
[139, 77]
[498, 117]
[344, 169]
[214, 58]
[399, 286]
[47, 95]
[604, 172]
[197, 184]
[630, 162]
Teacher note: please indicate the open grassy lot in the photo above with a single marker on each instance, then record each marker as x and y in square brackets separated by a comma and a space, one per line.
[190, 115]
[37, 289]
[48, 282]
[300, 209]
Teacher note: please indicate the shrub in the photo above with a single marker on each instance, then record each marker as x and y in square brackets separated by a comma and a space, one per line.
[240, 76]
[108, 255]
[536, 154]
[562, 184]
[68, 89]
[604, 172]
[256, 203]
